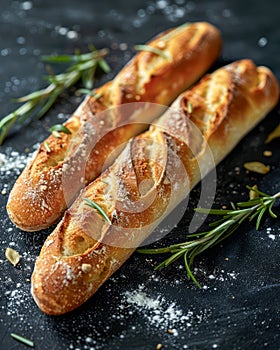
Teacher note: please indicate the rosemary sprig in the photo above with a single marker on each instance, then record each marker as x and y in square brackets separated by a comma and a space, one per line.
[94, 205]
[82, 66]
[90, 92]
[218, 230]
[47, 147]
[58, 128]
[190, 107]
[23, 340]
[153, 50]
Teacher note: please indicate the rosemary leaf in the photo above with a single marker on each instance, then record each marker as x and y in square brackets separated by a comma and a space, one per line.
[87, 78]
[190, 107]
[7, 126]
[47, 147]
[48, 105]
[214, 224]
[212, 211]
[248, 204]
[188, 269]
[56, 129]
[259, 218]
[271, 213]
[32, 96]
[175, 31]
[153, 50]
[23, 340]
[90, 92]
[104, 66]
[94, 205]
[255, 189]
[58, 59]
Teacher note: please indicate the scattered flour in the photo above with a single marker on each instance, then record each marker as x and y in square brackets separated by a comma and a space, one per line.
[270, 234]
[13, 162]
[158, 311]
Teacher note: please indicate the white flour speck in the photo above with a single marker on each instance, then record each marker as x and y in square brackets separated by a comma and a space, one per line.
[13, 162]
[262, 42]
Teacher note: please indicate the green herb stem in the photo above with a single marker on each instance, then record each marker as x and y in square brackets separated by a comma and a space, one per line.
[23, 340]
[38, 103]
[91, 93]
[94, 205]
[58, 128]
[154, 50]
[219, 230]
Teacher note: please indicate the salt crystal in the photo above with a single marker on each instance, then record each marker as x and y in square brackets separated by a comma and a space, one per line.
[123, 46]
[62, 30]
[4, 52]
[141, 13]
[21, 40]
[72, 34]
[26, 5]
[262, 42]
[161, 4]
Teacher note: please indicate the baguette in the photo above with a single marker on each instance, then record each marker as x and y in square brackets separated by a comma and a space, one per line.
[37, 199]
[84, 250]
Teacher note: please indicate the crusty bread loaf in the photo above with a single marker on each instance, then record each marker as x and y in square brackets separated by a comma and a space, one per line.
[37, 199]
[146, 181]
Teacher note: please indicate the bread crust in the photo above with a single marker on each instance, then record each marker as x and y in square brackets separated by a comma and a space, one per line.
[84, 250]
[37, 199]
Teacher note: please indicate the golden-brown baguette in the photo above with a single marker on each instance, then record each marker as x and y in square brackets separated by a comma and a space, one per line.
[146, 181]
[37, 199]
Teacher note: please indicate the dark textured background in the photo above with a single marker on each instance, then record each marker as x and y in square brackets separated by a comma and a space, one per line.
[231, 313]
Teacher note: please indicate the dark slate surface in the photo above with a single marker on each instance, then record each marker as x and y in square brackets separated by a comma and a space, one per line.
[238, 308]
